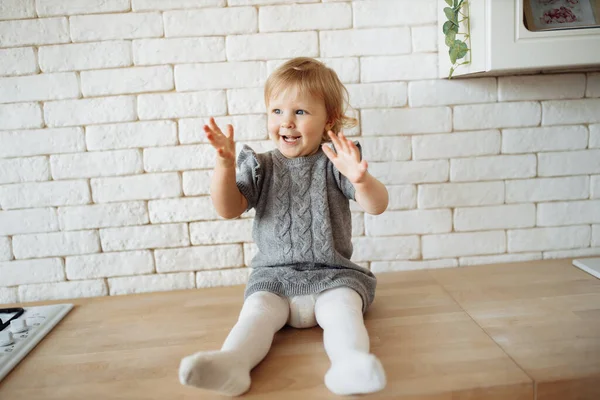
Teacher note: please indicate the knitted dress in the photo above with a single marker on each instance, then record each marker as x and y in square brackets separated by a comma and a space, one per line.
[302, 226]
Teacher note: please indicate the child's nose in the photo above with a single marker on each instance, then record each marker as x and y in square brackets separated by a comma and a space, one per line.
[287, 123]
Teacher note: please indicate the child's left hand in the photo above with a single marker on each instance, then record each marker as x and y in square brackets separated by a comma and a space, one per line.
[347, 160]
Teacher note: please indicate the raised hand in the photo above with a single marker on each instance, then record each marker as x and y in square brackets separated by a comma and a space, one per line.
[224, 144]
[347, 160]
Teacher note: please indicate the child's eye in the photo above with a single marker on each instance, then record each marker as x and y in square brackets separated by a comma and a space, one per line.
[276, 111]
[300, 112]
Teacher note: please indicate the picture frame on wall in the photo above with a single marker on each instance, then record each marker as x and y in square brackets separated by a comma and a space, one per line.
[542, 15]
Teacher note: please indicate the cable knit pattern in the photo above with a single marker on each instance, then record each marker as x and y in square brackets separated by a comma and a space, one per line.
[302, 226]
[282, 205]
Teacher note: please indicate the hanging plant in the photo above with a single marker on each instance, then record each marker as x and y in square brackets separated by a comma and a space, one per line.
[457, 48]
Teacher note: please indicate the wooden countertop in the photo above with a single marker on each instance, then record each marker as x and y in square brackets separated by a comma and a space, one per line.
[502, 332]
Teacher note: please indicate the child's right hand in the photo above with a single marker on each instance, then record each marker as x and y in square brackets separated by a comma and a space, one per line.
[224, 144]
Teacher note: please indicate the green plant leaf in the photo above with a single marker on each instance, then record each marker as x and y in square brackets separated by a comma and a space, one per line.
[451, 15]
[462, 49]
[450, 37]
[449, 2]
[453, 53]
[449, 26]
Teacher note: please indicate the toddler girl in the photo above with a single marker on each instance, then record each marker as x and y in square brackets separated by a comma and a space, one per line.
[302, 274]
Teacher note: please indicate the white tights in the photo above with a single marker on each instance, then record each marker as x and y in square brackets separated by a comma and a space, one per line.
[338, 311]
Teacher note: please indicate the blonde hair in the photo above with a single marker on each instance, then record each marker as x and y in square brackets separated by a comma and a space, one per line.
[312, 77]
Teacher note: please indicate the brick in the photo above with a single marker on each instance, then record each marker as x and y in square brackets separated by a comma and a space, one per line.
[413, 222]
[396, 173]
[594, 136]
[547, 189]
[495, 217]
[217, 232]
[582, 162]
[182, 210]
[402, 197]
[500, 115]
[127, 80]
[493, 168]
[181, 105]
[17, 61]
[378, 95]
[541, 87]
[227, 277]
[563, 112]
[379, 267]
[20, 116]
[593, 85]
[151, 283]
[87, 28]
[178, 158]
[499, 259]
[149, 5]
[265, 2]
[424, 39]
[199, 258]
[562, 254]
[102, 216]
[250, 250]
[89, 111]
[144, 237]
[304, 17]
[28, 221]
[463, 244]
[41, 141]
[595, 186]
[465, 144]
[178, 50]
[93, 164]
[227, 75]
[196, 182]
[140, 187]
[5, 250]
[131, 135]
[62, 290]
[358, 224]
[264, 46]
[55, 244]
[533, 140]
[386, 249]
[365, 42]
[83, 56]
[72, 7]
[393, 13]
[17, 9]
[39, 31]
[44, 194]
[398, 68]
[16, 170]
[211, 22]
[406, 121]
[15, 273]
[460, 194]
[568, 213]
[540, 239]
[386, 148]
[245, 101]
[246, 127]
[449, 92]
[8, 295]
[346, 68]
[109, 264]
[595, 235]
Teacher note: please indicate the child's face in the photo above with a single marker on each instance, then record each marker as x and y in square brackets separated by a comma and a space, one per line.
[296, 122]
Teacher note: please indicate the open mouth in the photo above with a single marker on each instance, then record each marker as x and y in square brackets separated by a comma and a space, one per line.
[290, 139]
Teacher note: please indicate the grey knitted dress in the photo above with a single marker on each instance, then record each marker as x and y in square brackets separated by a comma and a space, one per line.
[302, 226]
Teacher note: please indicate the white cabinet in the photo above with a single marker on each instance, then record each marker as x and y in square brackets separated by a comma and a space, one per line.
[500, 43]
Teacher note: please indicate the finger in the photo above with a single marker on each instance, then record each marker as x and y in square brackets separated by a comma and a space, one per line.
[335, 140]
[214, 126]
[229, 130]
[353, 150]
[328, 152]
[343, 142]
[364, 165]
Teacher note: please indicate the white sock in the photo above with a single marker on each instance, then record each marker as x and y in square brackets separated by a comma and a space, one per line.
[353, 369]
[228, 371]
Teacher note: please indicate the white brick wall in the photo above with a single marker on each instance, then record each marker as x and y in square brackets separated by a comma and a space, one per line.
[105, 169]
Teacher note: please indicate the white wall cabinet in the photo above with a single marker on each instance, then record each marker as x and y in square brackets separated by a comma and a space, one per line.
[500, 43]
